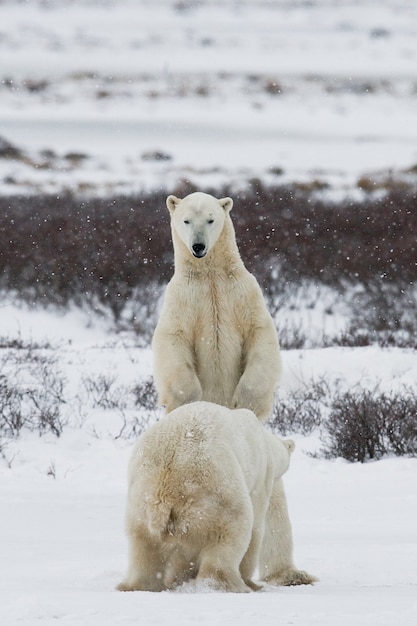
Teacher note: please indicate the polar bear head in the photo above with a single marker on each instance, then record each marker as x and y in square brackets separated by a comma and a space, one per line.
[198, 220]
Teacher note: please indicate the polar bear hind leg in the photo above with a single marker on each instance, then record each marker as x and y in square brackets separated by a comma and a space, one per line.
[276, 565]
[146, 569]
[221, 558]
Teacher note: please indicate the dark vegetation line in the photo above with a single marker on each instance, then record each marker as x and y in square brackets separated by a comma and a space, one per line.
[108, 253]
[115, 254]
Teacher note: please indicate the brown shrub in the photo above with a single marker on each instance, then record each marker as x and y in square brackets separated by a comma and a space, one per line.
[108, 252]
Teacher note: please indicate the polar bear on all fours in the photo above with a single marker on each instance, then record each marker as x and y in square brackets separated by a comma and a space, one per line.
[200, 481]
[216, 341]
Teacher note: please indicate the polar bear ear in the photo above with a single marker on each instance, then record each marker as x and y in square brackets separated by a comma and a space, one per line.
[290, 445]
[172, 202]
[226, 203]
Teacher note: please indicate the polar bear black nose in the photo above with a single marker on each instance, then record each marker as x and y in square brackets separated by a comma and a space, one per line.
[199, 249]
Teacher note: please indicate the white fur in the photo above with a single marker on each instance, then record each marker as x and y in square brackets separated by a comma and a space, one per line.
[200, 482]
[216, 341]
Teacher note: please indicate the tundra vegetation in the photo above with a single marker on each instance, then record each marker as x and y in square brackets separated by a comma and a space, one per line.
[114, 256]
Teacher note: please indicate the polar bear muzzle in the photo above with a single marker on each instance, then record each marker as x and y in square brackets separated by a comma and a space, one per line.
[199, 250]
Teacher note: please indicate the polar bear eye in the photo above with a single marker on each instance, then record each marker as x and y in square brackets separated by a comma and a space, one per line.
[210, 221]
[186, 221]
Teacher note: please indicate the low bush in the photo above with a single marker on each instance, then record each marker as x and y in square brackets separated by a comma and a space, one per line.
[103, 392]
[145, 394]
[383, 314]
[365, 425]
[34, 395]
[301, 411]
[62, 250]
[356, 425]
[134, 424]
[31, 394]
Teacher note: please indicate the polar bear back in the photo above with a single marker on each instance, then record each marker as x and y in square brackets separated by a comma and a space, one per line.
[200, 484]
[202, 438]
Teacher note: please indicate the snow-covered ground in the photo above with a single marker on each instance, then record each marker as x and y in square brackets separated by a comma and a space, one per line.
[222, 91]
[126, 95]
[62, 502]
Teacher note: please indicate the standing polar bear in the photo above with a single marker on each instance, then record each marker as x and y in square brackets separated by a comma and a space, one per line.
[200, 481]
[216, 341]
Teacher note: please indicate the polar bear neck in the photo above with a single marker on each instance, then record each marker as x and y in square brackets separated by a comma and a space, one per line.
[223, 258]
